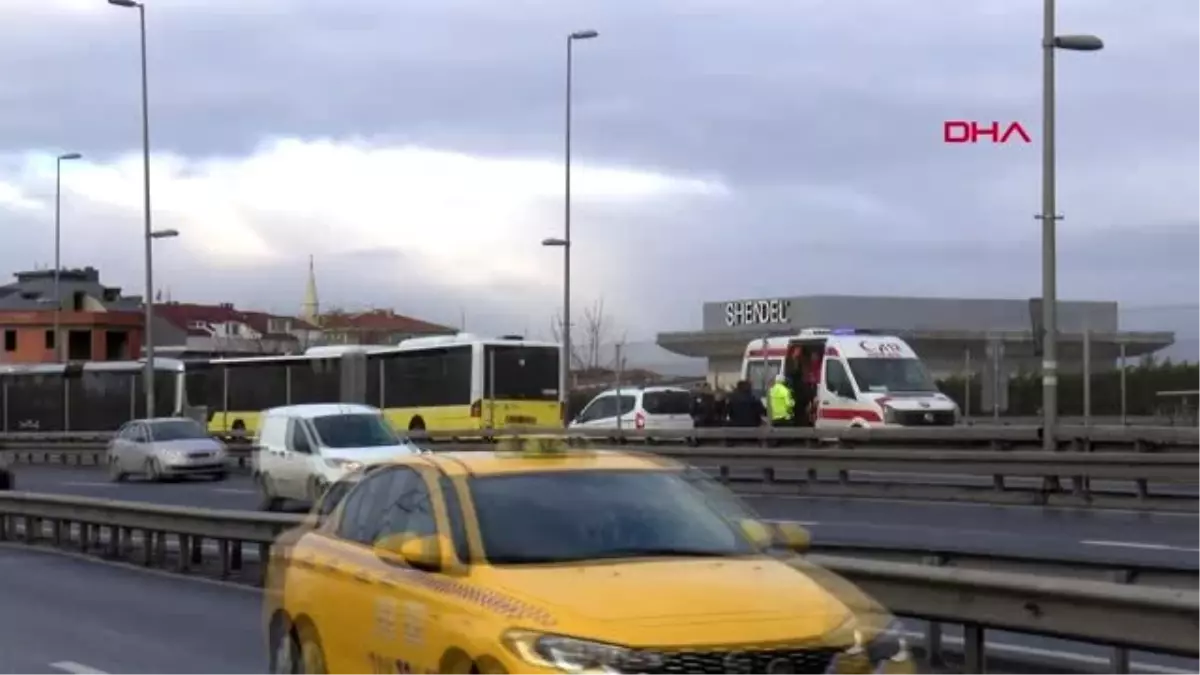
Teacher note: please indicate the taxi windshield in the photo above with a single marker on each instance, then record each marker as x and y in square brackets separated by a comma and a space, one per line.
[891, 375]
[360, 430]
[573, 516]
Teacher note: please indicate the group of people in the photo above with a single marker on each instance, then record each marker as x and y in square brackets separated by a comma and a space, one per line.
[792, 399]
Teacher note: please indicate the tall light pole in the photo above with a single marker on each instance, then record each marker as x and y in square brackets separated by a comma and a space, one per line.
[58, 350]
[564, 367]
[148, 330]
[1049, 216]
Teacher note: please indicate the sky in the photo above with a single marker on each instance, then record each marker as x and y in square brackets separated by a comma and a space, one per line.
[720, 149]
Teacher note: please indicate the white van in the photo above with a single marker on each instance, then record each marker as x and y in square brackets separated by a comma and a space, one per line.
[866, 380]
[638, 408]
[303, 449]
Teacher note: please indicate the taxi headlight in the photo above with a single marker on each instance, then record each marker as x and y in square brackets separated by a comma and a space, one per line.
[343, 464]
[572, 655]
[889, 644]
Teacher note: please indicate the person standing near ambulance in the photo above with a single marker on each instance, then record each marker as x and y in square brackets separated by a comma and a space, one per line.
[783, 404]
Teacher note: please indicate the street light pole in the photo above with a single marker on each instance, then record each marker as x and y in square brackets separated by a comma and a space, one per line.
[148, 329]
[1049, 218]
[565, 365]
[58, 350]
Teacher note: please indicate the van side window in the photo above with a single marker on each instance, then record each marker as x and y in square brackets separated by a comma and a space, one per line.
[837, 381]
[600, 408]
[297, 437]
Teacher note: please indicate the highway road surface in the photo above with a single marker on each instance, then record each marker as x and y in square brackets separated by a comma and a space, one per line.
[63, 613]
[1109, 536]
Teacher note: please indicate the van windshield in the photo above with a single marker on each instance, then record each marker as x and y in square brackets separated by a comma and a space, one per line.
[362, 430]
[891, 376]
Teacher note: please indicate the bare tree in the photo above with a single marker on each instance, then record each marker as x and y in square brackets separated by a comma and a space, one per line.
[587, 338]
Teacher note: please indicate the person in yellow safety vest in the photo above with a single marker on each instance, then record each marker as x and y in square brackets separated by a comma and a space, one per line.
[783, 404]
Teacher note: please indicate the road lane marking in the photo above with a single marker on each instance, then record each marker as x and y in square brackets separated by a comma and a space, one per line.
[77, 668]
[1138, 544]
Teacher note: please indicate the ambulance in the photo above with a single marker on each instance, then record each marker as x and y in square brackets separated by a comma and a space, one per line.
[865, 379]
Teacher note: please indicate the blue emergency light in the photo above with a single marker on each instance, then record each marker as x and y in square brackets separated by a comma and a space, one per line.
[843, 331]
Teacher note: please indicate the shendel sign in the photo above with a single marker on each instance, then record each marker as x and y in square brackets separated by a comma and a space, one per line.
[757, 312]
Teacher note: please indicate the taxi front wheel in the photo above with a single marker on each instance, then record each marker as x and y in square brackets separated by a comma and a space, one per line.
[298, 653]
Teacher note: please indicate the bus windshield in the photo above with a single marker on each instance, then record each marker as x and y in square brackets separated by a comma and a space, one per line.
[890, 376]
[521, 373]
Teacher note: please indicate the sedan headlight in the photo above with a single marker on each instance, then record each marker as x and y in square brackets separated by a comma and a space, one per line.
[572, 655]
[343, 464]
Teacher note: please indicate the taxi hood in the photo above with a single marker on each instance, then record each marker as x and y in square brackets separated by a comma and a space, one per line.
[711, 597]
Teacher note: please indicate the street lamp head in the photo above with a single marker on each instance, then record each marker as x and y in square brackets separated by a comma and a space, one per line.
[70, 155]
[1079, 43]
[554, 241]
[577, 35]
[124, 3]
[164, 234]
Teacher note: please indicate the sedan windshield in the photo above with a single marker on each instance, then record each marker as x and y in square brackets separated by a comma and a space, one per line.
[177, 430]
[354, 431]
[571, 516]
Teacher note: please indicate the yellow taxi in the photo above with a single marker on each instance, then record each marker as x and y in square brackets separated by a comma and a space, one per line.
[538, 558]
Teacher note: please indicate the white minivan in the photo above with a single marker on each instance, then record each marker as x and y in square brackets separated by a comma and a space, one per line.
[638, 408]
[303, 449]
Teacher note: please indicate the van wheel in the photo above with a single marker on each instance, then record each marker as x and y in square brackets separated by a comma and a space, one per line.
[416, 424]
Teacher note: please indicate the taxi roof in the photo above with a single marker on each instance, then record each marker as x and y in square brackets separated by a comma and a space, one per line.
[488, 462]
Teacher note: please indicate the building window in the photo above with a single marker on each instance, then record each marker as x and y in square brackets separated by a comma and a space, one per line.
[10, 340]
[50, 339]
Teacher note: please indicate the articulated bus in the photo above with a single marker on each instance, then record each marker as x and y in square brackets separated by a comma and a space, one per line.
[93, 396]
[436, 383]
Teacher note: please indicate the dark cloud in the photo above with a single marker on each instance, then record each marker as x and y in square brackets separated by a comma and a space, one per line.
[823, 118]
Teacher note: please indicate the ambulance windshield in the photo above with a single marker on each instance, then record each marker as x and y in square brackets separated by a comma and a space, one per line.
[891, 376]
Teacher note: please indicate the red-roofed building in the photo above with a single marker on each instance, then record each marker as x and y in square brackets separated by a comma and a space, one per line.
[192, 330]
[379, 326]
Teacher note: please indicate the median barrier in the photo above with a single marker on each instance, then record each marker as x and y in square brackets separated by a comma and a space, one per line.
[1093, 438]
[1153, 619]
[1157, 481]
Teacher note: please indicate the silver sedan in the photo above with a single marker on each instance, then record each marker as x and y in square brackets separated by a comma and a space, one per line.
[167, 447]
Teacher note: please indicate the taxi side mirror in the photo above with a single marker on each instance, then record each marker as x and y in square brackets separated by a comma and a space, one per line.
[757, 532]
[422, 553]
[793, 537]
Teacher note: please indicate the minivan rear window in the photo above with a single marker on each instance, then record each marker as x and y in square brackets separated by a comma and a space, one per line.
[667, 402]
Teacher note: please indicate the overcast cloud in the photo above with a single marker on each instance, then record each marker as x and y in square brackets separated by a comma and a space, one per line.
[722, 149]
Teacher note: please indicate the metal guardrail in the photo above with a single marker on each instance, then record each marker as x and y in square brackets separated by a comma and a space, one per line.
[1079, 437]
[1161, 620]
[1156, 481]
